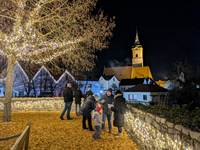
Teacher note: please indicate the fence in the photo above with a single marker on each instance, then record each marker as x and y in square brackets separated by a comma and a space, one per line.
[22, 141]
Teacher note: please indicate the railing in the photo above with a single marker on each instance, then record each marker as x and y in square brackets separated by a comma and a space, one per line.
[22, 141]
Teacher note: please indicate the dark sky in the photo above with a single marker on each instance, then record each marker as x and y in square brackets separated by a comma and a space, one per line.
[168, 31]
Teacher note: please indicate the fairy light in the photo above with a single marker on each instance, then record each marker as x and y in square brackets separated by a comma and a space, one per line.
[24, 42]
[149, 135]
[31, 104]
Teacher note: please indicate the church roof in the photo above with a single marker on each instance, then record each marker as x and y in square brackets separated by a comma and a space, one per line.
[135, 81]
[141, 72]
[128, 72]
[119, 72]
[146, 88]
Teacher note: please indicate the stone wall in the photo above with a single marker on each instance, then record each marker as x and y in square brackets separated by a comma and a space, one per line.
[153, 133]
[36, 104]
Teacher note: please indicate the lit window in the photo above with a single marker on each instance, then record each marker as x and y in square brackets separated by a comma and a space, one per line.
[132, 97]
[144, 97]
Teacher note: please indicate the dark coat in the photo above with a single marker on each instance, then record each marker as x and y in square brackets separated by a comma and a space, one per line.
[108, 100]
[88, 93]
[68, 94]
[78, 95]
[88, 106]
[119, 109]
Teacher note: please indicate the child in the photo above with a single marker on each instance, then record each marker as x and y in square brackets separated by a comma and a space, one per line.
[97, 122]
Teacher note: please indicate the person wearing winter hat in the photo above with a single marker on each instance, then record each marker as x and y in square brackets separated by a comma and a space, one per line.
[97, 122]
[106, 99]
[119, 109]
[88, 93]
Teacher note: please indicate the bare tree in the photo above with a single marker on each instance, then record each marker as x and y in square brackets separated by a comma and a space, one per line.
[42, 30]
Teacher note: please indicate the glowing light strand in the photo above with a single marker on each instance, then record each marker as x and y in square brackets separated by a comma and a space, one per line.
[24, 43]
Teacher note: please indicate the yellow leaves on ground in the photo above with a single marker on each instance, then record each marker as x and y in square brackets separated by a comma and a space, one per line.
[48, 132]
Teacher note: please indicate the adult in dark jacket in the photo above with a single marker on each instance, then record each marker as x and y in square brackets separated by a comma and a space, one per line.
[86, 109]
[119, 109]
[78, 95]
[68, 99]
[104, 101]
[88, 93]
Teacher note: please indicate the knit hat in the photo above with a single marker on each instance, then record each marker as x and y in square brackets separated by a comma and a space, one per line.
[110, 90]
[98, 109]
[118, 92]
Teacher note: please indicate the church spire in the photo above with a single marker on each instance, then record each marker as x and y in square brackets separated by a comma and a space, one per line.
[137, 42]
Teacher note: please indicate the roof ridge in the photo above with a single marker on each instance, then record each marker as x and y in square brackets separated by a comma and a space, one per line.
[146, 87]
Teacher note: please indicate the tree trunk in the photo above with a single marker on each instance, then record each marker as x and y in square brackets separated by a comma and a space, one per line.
[8, 90]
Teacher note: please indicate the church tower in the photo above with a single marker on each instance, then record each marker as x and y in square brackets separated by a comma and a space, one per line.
[137, 51]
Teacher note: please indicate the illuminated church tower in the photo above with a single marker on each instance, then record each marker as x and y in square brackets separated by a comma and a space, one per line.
[137, 60]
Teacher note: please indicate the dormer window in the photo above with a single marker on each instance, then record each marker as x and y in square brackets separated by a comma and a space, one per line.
[113, 79]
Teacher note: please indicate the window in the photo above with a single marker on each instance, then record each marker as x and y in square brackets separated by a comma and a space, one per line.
[136, 55]
[0, 91]
[144, 97]
[132, 97]
[89, 85]
[113, 79]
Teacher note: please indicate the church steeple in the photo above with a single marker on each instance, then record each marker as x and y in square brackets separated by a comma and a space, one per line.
[137, 42]
[137, 50]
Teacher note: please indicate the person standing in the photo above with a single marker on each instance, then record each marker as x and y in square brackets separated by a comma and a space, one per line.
[104, 101]
[68, 99]
[86, 109]
[88, 93]
[119, 109]
[78, 95]
[97, 122]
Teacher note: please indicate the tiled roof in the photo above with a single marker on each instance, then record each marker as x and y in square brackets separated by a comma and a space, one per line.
[146, 88]
[141, 72]
[135, 81]
[119, 72]
[107, 77]
[128, 72]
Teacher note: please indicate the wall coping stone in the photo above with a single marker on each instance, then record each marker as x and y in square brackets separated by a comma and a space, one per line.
[152, 116]
[170, 124]
[178, 127]
[163, 120]
[195, 135]
[186, 131]
[158, 119]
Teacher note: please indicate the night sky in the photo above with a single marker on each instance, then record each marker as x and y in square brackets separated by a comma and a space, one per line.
[168, 30]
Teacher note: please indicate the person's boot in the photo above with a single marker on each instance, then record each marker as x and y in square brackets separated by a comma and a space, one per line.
[103, 131]
[117, 133]
[119, 136]
[110, 131]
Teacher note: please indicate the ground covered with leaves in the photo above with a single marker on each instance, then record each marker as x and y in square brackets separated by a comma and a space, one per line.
[48, 132]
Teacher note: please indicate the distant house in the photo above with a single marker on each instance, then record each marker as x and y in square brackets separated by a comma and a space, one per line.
[144, 93]
[65, 78]
[128, 83]
[109, 82]
[94, 85]
[19, 82]
[43, 82]
[2, 87]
